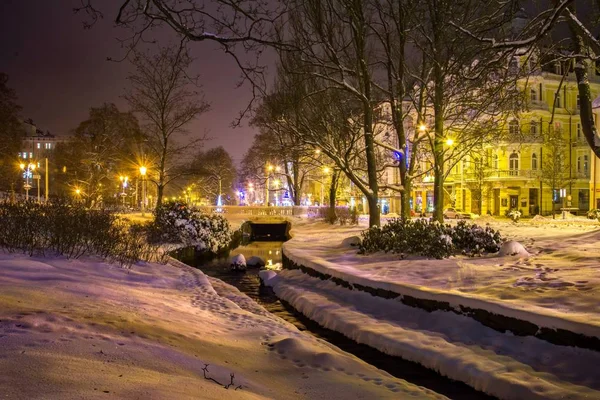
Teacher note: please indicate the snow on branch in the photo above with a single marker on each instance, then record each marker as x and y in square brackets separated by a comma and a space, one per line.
[546, 27]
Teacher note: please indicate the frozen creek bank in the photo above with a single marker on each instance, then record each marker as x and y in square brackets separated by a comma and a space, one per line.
[87, 329]
[358, 297]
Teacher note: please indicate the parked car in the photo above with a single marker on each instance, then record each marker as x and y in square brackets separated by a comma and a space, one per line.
[455, 213]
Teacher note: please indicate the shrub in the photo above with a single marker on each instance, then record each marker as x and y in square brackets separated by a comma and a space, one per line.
[514, 215]
[474, 240]
[177, 223]
[71, 230]
[594, 214]
[429, 238]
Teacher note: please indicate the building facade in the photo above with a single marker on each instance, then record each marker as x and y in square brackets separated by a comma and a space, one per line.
[541, 165]
[37, 145]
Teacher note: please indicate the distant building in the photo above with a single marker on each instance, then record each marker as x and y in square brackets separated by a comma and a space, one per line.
[37, 144]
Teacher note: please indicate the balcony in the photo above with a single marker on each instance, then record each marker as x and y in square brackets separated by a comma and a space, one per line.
[539, 105]
[494, 175]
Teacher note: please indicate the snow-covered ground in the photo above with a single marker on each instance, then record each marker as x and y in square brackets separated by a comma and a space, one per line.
[86, 329]
[559, 281]
[561, 277]
[503, 365]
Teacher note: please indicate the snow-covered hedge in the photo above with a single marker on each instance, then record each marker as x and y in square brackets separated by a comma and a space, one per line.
[429, 238]
[71, 230]
[177, 223]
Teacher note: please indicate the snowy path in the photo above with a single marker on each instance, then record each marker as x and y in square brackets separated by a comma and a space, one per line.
[502, 365]
[85, 329]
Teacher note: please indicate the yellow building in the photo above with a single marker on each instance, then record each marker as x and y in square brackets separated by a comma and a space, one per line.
[540, 153]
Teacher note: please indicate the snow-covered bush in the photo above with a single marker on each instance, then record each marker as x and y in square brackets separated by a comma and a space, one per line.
[474, 240]
[429, 238]
[514, 215]
[406, 236]
[177, 223]
[594, 214]
[71, 230]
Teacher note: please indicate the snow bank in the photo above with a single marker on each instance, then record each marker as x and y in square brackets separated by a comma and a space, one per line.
[567, 255]
[512, 248]
[352, 241]
[87, 329]
[503, 365]
[238, 262]
[256, 261]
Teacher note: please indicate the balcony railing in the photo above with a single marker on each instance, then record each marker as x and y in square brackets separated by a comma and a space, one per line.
[514, 174]
[497, 174]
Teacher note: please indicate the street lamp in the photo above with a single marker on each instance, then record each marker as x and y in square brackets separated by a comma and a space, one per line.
[27, 169]
[269, 169]
[123, 180]
[276, 182]
[143, 171]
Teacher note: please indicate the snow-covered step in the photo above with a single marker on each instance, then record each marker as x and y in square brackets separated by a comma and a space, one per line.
[503, 365]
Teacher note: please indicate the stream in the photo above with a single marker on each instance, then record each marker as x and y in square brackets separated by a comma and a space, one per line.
[248, 282]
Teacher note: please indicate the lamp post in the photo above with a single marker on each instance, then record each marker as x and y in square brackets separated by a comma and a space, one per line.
[123, 180]
[269, 169]
[27, 169]
[276, 182]
[143, 171]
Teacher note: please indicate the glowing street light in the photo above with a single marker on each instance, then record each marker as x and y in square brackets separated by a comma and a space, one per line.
[123, 180]
[143, 171]
[27, 170]
[422, 127]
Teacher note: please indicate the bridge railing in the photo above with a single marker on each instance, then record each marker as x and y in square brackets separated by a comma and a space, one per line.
[255, 210]
[304, 211]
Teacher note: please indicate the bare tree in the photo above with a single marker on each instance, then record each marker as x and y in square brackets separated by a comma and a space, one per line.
[469, 88]
[167, 98]
[278, 145]
[214, 172]
[102, 148]
[11, 134]
[543, 29]
[555, 166]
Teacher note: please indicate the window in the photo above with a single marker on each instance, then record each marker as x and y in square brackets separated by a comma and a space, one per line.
[557, 99]
[558, 70]
[39, 145]
[531, 64]
[513, 164]
[533, 94]
[513, 67]
[578, 102]
[513, 127]
[48, 145]
[533, 128]
[583, 165]
[495, 161]
[534, 162]
[30, 155]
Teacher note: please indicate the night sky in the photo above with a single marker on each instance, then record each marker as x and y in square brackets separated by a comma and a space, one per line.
[59, 70]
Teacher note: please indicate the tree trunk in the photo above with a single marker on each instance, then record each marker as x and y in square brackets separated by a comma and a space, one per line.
[159, 194]
[405, 198]
[296, 184]
[332, 196]
[585, 95]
